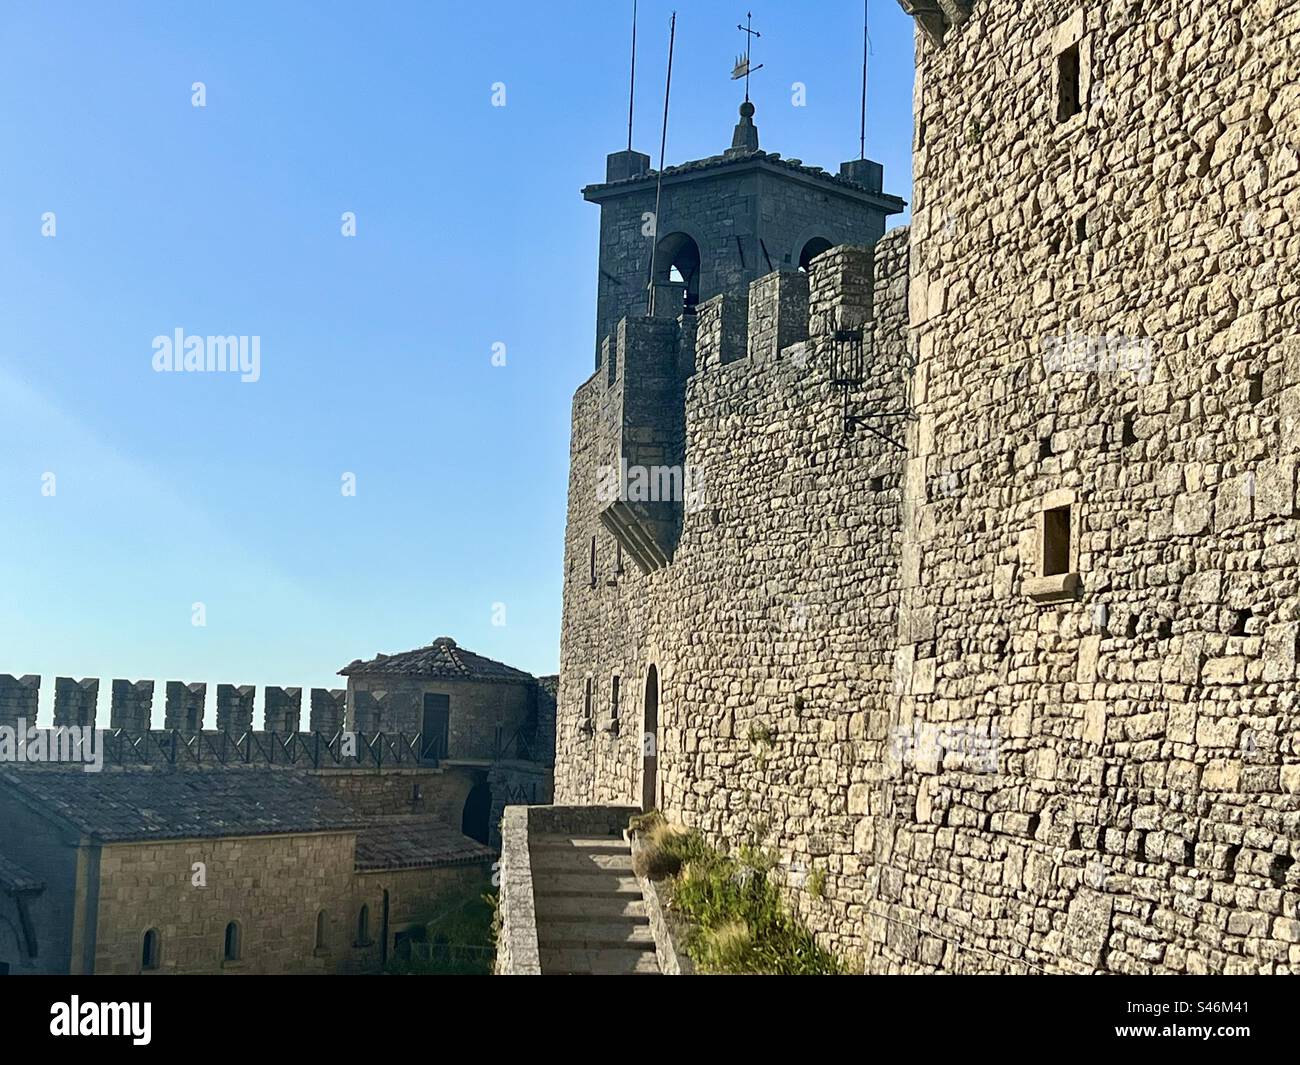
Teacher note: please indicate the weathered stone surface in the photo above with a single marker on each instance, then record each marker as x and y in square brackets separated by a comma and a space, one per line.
[848, 664]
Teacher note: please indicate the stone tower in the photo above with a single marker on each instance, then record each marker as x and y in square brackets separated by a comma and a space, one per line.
[725, 221]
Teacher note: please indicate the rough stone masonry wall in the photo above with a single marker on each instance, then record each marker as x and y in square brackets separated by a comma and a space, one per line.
[1101, 782]
[1142, 814]
[772, 631]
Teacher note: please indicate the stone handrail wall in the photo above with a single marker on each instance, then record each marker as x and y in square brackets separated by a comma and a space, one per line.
[517, 953]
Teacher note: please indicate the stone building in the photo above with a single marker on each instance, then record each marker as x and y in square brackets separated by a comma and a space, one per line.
[983, 606]
[255, 870]
[464, 706]
[322, 850]
[486, 719]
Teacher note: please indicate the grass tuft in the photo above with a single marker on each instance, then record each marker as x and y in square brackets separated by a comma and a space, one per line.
[739, 923]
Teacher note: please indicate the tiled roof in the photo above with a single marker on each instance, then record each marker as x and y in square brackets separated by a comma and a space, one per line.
[13, 877]
[443, 660]
[119, 805]
[414, 841]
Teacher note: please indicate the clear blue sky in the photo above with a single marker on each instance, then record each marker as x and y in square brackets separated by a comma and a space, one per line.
[175, 489]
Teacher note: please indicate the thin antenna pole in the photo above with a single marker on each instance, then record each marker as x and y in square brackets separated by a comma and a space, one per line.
[631, 88]
[663, 147]
[866, 38]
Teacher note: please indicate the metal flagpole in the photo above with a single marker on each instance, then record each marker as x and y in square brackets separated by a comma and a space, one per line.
[631, 88]
[866, 38]
[659, 182]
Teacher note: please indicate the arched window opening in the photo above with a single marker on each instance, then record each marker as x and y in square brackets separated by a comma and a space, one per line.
[232, 941]
[363, 927]
[677, 262]
[150, 951]
[320, 930]
[811, 250]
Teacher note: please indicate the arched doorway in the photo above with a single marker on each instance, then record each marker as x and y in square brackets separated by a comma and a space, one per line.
[477, 813]
[811, 250]
[650, 742]
[677, 262]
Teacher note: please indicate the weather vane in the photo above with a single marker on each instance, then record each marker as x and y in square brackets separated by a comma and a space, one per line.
[742, 68]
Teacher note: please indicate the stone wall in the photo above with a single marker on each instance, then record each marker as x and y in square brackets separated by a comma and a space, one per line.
[274, 887]
[1105, 307]
[772, 631]
[148, 885]
[1026, 692]
[397, 790]
[74, 701]
[19, 697]
[480, 712]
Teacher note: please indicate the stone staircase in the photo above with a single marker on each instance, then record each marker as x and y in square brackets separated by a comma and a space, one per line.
[591, 918]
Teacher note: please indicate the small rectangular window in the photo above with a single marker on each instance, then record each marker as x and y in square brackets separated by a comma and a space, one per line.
[1056, 541]
[1068, 103]
[593, 562]
[613, 700]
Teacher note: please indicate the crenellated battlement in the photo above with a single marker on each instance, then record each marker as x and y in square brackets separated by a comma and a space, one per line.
[131, 706]
[644, 391]
[779, 310]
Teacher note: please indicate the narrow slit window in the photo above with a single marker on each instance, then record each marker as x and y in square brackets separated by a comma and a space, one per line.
[232, 941]
[149, 951]
[1056, 541]
[593, 562]
[1068, 103]
[613, 701]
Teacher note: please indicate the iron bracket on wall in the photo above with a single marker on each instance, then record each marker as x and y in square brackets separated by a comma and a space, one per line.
[847, 372]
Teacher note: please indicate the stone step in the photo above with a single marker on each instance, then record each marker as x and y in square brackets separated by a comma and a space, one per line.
[584, 844]
[595, 934]
[584, 884]
[578, 862]
[599, 962]
[601, 908]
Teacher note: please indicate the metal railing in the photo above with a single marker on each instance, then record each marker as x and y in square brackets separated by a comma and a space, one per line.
[315, 749]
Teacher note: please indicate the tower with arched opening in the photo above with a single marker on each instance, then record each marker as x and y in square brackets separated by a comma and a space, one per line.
[723, 222]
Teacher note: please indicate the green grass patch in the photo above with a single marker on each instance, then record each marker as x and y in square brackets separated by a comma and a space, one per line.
[737, 920]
